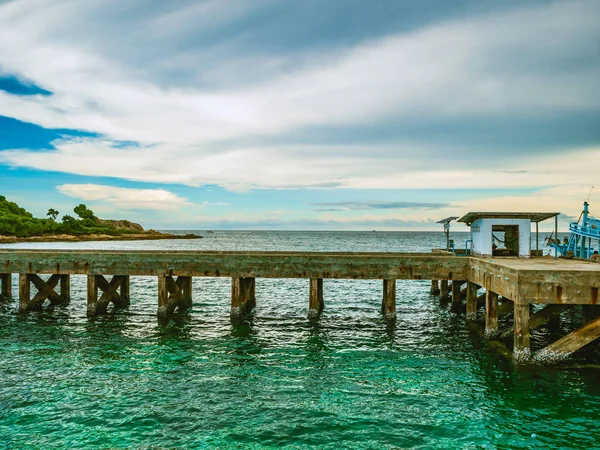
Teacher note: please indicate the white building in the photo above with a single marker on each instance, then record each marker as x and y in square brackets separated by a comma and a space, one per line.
[503, 234]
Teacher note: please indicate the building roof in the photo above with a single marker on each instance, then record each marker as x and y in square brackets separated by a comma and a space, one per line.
[447, 219]
[471, 217]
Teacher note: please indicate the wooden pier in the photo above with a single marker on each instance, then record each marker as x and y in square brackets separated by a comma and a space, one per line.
[508, 285]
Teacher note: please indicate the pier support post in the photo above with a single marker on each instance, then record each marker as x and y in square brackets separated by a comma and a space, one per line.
[456, 297]
[46, 291]
[491, 313]
[5, 286]
[388, 304]
[243, 296]
[444, 290]
[521, 350]
[173, 294]
[116, 291]
[315, 307]
[435, 287]
[472, 300]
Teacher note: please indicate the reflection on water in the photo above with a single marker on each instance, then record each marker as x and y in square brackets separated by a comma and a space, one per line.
[350, 380]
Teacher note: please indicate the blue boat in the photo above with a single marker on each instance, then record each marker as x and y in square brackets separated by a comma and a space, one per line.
[585, 234]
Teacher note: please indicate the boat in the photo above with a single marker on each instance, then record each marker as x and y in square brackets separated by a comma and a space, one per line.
[584, 240]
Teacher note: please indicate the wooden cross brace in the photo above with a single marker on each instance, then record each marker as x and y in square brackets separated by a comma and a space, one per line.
[173, 293]
[46, 290]
[116, 291]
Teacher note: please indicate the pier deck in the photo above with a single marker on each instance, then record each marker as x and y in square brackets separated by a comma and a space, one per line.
[518, 282]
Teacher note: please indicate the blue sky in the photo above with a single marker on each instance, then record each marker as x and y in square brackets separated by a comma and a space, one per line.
[337, 114]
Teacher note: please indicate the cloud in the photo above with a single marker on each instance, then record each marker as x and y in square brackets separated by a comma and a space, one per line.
[124, 198]
[162, 89]
[362, 206]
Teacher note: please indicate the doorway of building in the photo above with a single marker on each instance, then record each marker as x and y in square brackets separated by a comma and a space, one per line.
[505, 240]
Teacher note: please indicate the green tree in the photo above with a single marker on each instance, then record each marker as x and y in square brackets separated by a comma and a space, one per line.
[52, 213]
[82, 211]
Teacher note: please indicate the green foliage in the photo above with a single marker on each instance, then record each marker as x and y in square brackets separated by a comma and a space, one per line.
[52, 213]
[16, 221]
[82, 211]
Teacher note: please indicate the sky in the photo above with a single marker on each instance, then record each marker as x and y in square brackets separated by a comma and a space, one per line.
[286, 114]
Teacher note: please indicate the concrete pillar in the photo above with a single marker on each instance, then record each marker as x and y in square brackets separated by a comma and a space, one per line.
[388, 304]
[315, 306]
[491, 313]
[456, 297]
[522, 351]
[472, 300]
[444, 290]
[243, 296]
[435, 288]
[5, 285]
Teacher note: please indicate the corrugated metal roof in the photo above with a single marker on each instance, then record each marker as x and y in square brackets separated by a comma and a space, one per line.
[471, 217]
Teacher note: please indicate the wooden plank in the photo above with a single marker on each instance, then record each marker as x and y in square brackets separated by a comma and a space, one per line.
[571, 342]
[315, 303]
[238, 264]
[388, 304]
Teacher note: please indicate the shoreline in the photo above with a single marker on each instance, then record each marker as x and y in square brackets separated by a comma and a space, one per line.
[97, 237]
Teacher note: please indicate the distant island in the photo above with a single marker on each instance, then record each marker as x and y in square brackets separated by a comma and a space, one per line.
[19, 225]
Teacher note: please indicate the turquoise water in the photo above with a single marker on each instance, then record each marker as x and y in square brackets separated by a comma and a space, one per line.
[350, 381]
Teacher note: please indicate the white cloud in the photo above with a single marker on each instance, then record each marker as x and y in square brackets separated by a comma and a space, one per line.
[124, 198]
[485, 66]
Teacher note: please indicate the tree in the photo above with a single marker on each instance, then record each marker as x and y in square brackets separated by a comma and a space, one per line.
[82, 211]
[52, 213]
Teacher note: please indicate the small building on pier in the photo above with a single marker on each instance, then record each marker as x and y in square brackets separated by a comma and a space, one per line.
[504, 233]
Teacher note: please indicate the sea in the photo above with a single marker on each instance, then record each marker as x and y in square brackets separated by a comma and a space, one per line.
[351, 380]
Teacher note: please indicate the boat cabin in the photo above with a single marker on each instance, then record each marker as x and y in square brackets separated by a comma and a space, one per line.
[503, 234]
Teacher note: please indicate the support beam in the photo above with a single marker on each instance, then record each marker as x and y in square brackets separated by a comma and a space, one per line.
[491, 313]
[5, 286]
[571, 342]
[46, 290]
[315, 306]
[444, 290]
[173, 293]
[472, 300]
[521, 350]
[507, 307]
[435, 287]
[388, 304]
[590, 312]
[544, 316]
[243, 296]
[113, 291]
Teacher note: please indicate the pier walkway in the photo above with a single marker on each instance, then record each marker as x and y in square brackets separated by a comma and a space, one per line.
[508, 285]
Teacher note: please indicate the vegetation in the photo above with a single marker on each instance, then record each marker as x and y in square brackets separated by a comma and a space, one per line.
[16, 221]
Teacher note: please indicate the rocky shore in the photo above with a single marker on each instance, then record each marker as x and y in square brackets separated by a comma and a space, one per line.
[145, 236]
